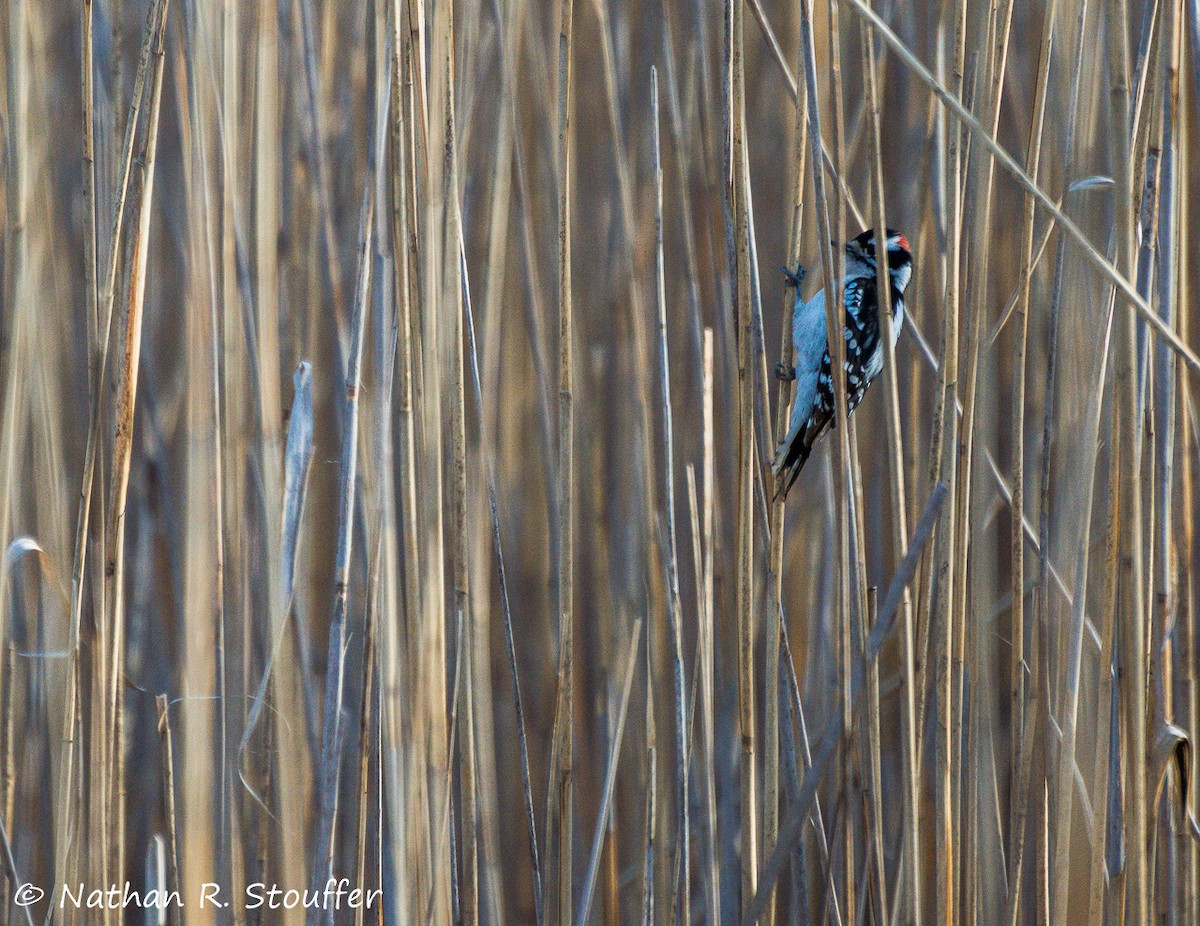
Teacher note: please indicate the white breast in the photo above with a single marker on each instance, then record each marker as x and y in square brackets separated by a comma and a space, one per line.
[808, 342]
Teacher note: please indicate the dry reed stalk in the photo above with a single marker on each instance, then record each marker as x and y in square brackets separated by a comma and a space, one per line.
[610, 775]
[332, 725]
[112, 775]
[229, 416]
[943, 457]
[738, 199]
[686, 168]
[1131, 657]
[1163, 583]
[451, 358]
[95, 348]
[437, 722]
[8, 751]
[395, 657]
[366, 727]
[682, 751]
[204, 785]
[90, 253]
[16, 285]
[774, 597]
[649, 849]
[851, 533]
[563, 780]
[971, 655]
[1189, 636]
[1065, 771]
[1023, 647]
[847, 481]
[283, 462]
[500, 212]
[831, 266]
[266, 167]
[506, 611]
[708, 628]
[899, 533]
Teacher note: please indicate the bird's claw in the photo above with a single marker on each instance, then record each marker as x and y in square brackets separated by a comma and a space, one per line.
[794, 277]
[783, 372]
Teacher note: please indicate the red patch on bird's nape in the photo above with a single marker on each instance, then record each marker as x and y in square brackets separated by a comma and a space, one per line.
[902, 241]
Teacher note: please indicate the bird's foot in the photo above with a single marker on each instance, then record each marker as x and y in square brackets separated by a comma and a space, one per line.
[794, 277]
[783, 372]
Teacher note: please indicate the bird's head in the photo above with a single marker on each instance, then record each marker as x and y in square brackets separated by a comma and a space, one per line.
[861, 253]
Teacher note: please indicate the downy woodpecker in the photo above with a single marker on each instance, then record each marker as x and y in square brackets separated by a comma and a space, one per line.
[813, 408]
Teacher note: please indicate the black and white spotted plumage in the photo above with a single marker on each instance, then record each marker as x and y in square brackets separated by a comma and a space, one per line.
[813, 409]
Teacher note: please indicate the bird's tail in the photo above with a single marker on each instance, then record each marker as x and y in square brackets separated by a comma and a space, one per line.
[789, 460]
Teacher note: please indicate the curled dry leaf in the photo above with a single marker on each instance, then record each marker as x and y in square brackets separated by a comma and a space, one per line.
[1174, 745]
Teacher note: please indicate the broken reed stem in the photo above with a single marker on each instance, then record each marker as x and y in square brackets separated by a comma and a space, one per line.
[168, 786]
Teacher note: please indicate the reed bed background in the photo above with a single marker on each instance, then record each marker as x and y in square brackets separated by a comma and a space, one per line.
[384, 433]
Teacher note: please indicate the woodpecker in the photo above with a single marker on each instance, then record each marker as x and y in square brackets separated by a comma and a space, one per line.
[813, 408]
